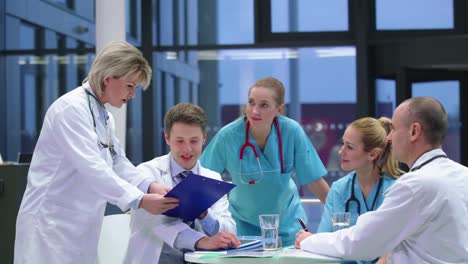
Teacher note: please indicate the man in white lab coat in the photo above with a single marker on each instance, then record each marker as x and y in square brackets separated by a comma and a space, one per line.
[162, 239]
[423, 218]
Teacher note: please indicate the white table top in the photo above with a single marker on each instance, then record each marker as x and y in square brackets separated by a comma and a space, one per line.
[289, 256]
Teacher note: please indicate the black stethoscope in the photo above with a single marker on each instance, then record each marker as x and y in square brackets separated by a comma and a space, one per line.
[427, 161]
[250, 145]
[355, 200]
[108, 143]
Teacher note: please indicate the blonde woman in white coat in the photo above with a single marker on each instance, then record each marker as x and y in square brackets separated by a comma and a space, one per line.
[78, 165]
[162, 239]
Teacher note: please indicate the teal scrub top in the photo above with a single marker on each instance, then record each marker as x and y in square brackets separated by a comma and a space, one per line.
[340, 192]
[275, 192]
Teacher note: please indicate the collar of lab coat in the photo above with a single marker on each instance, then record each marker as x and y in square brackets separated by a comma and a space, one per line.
[164, 165]
[428, 155]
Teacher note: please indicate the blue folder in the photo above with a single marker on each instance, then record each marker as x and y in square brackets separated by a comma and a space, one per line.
[196, 194]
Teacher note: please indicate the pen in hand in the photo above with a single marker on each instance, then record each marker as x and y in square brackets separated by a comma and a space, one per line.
[303, 225]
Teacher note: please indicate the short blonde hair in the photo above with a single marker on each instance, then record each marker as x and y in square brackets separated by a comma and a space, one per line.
[118, 59]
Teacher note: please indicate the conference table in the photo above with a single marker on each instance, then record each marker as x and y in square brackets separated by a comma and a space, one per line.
[281, 256]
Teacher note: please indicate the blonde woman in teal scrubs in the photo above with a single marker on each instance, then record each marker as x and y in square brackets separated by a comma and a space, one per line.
[367, 154]
[260, 151]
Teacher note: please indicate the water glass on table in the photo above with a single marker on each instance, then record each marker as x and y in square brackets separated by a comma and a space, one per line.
[340, 220]
[269, 223]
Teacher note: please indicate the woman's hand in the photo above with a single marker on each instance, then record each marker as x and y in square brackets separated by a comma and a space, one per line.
[158, 188]
[157, 204]
[300, 236]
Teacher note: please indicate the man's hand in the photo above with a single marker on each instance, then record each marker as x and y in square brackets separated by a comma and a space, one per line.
[158, 188]
[301, 235]
[221, 240]
[156, 203]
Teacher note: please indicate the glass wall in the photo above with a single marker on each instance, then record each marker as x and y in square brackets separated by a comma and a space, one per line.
[385, 97]
[415, 14]
[321, 100]
[210, 52]
[309, 16]
[35, 78]
[448, 93]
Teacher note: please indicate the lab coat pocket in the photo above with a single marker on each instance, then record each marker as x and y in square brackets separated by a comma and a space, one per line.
[69, 230]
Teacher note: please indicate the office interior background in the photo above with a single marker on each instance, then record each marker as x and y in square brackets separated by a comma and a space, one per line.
[339, 60]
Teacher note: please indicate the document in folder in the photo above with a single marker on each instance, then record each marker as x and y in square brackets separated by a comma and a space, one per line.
[196, 194]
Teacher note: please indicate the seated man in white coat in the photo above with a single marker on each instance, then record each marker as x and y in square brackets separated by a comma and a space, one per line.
[163, 239]
[423, 218]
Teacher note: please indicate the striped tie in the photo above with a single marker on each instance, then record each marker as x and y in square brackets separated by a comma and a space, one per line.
[181, 176]
[177, 179]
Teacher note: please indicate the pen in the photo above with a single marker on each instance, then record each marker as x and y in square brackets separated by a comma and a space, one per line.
[303, 225]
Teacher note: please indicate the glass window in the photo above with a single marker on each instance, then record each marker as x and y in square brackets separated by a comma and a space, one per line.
[29, 111]
[235, 21]
[204, 22]
[70, 4]
[27, 37]
[385, 97]
[132, 18]
[448, 93]
[309, 16]
[192, 22]
[415, 14]
[166, 24]
[326, 103]
[134, 147]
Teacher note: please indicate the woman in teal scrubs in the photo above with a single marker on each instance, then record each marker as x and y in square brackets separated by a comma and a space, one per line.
[265, 184]
[367, 153]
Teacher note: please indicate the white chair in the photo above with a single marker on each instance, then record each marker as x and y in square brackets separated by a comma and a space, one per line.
[113, 242]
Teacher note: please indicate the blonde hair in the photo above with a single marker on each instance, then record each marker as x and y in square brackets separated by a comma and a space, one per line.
[118, 59]
[374, 135]
[272, 84]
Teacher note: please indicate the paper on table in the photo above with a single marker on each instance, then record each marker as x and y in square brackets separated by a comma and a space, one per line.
[297, 253]
[252, 253]
[247, 243]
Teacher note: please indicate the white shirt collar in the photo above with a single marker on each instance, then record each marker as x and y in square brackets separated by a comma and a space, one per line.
[175, 168]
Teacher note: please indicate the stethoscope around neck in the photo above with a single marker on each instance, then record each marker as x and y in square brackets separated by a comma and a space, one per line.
[107, 144]
[353, 198]
[250, 145]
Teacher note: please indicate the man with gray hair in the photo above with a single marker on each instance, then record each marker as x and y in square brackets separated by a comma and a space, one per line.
[423, 218]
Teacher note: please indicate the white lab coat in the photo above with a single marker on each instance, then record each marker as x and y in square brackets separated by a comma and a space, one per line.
[423, 219]
[148, 232]
[70, 180]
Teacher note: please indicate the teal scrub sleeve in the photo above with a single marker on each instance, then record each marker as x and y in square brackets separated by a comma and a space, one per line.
[330, 206]
[308, 165]
[213, 157]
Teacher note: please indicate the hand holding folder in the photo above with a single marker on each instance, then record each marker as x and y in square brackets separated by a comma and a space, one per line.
[196, 194]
